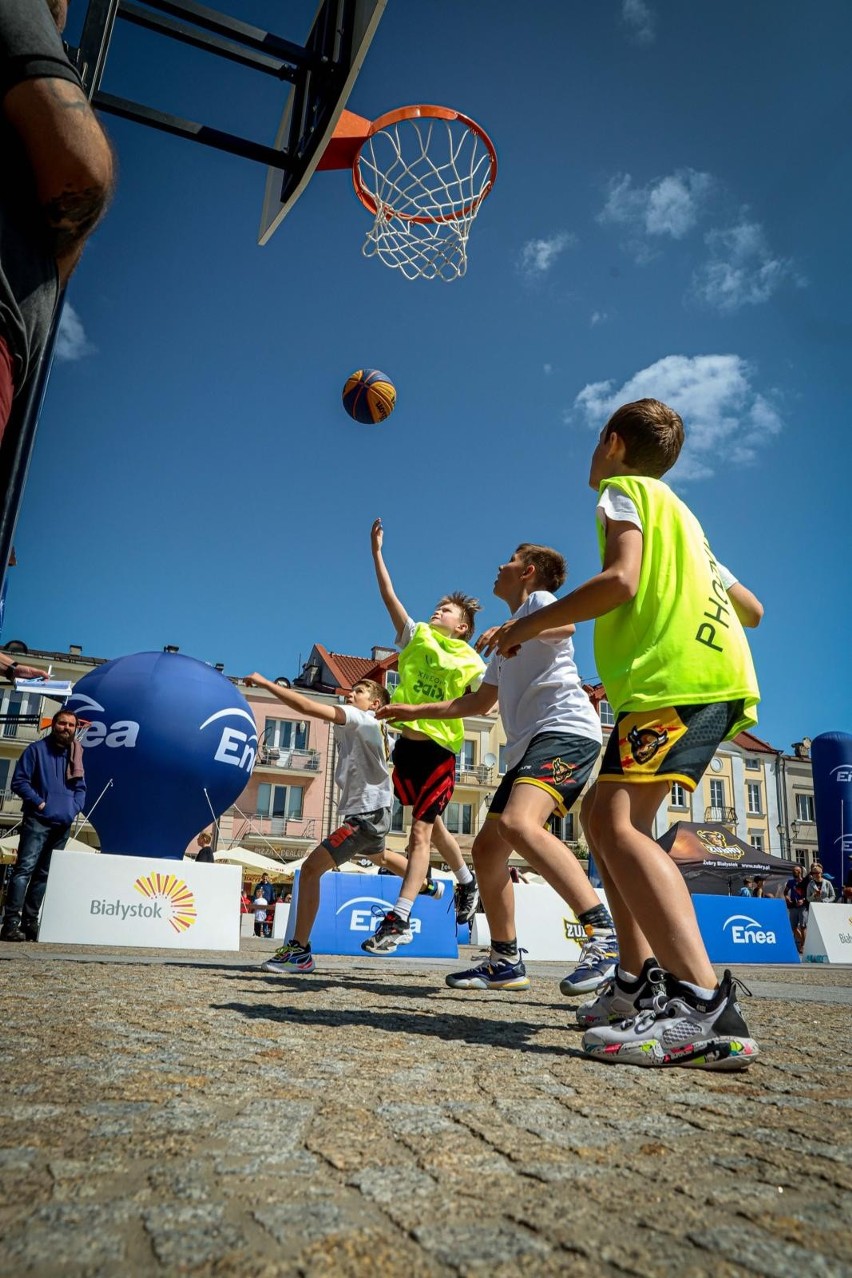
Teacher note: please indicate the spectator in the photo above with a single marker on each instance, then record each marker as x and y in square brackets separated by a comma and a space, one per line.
[266, 888]
[205, 847]
[757, 889]
[797, 906]
[261, 910]
[745, 890]
[819, 889]
[56, 179]
[48, 777]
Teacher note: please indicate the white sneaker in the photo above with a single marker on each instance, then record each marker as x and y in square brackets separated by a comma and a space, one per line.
[620, 999]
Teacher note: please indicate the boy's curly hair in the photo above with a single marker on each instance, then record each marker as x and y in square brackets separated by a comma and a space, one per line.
[652, 434]
[467, 606]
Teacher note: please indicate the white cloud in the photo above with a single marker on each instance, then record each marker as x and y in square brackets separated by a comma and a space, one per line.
[598, 317]
[538, 256]
[668, 206]
[639, 19]
[71, 340]
[741, 269]
[727, 420]
[548, 369]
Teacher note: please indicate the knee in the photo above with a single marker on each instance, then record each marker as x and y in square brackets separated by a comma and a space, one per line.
[509, 827]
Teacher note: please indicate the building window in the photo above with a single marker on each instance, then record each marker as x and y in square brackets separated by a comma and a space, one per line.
[285, 734]
[752, 765]
[19, 705]
[717, 794]
[607, 714]
[801, 856]
[458, 818]
[501, 763]
[755, 838]
[563, 827]
[804, 807]
[5, 769]
[466, 757]
[753, 799]
[391, 680]
[280, 801]
[398, 818]
[678, 795]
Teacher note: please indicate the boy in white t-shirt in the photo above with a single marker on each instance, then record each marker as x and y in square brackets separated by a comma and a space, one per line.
[366, 799]
[553, 741]
[261, 909]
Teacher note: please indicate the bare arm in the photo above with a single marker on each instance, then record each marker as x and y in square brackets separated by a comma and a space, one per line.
[747, 606]
[396, 610]
[617, 582]
[295, 700]
[478, 702]
[70, 158]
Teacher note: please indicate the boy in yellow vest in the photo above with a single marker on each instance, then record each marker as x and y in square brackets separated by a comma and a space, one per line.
[436, 663]
[673, 657]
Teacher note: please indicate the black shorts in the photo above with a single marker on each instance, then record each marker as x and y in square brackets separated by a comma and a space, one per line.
[558, 762]
[424, 777]
[674, 744]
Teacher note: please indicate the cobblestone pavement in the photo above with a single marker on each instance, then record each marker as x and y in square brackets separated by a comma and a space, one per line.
[167, 1114]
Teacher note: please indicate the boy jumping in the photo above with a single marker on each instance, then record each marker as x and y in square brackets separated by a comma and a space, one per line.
[674, 660]
[435, 662]
[553, 742]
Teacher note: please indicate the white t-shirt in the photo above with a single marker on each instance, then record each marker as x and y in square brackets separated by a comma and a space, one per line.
[362, 763]
[539, 689]
[616, 505]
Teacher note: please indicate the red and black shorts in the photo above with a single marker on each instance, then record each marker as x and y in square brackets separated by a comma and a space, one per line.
[424, 777]
[673, 744]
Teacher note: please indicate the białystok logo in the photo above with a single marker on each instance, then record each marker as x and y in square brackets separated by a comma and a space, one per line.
[747, 931]
[176, 894]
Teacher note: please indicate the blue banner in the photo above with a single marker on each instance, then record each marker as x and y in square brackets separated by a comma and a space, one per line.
[831, 756]
[742, 929]
[346, 916]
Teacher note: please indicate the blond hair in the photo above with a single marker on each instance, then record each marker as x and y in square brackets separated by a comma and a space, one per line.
[467, 606]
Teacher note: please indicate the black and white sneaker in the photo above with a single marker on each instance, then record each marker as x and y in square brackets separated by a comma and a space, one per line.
[389, 935]
[679, 1028]
[617, 999]
[467, 899]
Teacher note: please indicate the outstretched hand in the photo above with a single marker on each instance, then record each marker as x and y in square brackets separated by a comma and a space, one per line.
[377, 535]
[499, 639]
[399, 710]
[254, 680]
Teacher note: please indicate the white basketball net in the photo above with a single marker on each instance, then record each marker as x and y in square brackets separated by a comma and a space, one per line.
[424, 168]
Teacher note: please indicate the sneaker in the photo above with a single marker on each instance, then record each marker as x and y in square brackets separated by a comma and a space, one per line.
[467, 899]
[389, 935]
[290, 958]
[679, 1029]
[491, 976]
[596, 964]
[619, 999]
[13, 933]
[432, 887]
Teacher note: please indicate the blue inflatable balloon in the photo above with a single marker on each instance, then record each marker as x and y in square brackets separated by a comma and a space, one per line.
[165, 734]
[831, 757]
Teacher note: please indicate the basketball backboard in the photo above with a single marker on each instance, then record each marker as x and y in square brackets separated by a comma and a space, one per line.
[340, 36]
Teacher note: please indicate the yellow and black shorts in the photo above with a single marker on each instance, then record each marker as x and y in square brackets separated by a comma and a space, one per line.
[674, 744]
[557, 762]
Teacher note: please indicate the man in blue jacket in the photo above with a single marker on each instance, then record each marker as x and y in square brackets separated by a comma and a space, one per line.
[49, 779]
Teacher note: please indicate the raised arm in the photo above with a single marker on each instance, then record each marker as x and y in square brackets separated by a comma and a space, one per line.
[295, 700]
[478, 702]
[396, 610]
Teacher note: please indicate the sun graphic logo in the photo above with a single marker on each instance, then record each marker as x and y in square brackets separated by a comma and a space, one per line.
[176, 894]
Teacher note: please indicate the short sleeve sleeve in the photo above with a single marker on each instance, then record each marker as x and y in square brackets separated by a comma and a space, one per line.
[616, 505]
[406, 634]
[727, 577]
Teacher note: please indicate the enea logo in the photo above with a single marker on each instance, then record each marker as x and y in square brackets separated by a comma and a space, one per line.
[166, 897]
[842, 773]
[239, 748]
[746, 931]
[362, 918]
[123, 732]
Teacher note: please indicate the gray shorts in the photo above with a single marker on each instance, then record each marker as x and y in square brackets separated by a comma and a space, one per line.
[360, 835]
[798, 915]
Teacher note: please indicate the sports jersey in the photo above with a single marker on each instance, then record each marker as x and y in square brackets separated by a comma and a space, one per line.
[362, 771]
[435, 667]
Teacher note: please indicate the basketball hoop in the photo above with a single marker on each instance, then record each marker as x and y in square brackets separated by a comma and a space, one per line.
[423, 172]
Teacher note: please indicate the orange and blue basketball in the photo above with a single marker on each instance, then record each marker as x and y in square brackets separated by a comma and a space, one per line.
[369, 396]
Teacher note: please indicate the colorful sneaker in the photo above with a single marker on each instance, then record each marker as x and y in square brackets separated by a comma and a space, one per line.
[619, 999]
[389, 935]
[596, 964]
[432, 887]
[491, 976]
[290, 958]
[679, 1029]
[467, 899]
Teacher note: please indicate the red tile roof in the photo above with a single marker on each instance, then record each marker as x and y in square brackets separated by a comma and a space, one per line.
[749, 741]
[348, 670]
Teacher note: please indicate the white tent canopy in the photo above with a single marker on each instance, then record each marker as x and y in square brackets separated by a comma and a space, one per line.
[253, 861]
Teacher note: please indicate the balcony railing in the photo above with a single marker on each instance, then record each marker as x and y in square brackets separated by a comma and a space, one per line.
[20, 727]
[295, 760]
[722, 816]
[260, 827]
[476, 774]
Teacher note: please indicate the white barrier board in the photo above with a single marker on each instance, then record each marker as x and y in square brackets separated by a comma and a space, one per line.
[829, 935]
[282, 919]
[546, 926]
[141, 901]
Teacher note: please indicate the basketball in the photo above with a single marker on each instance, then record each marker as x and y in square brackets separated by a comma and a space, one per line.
[369, 396]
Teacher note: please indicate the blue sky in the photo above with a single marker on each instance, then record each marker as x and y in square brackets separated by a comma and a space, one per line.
[670, 218]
